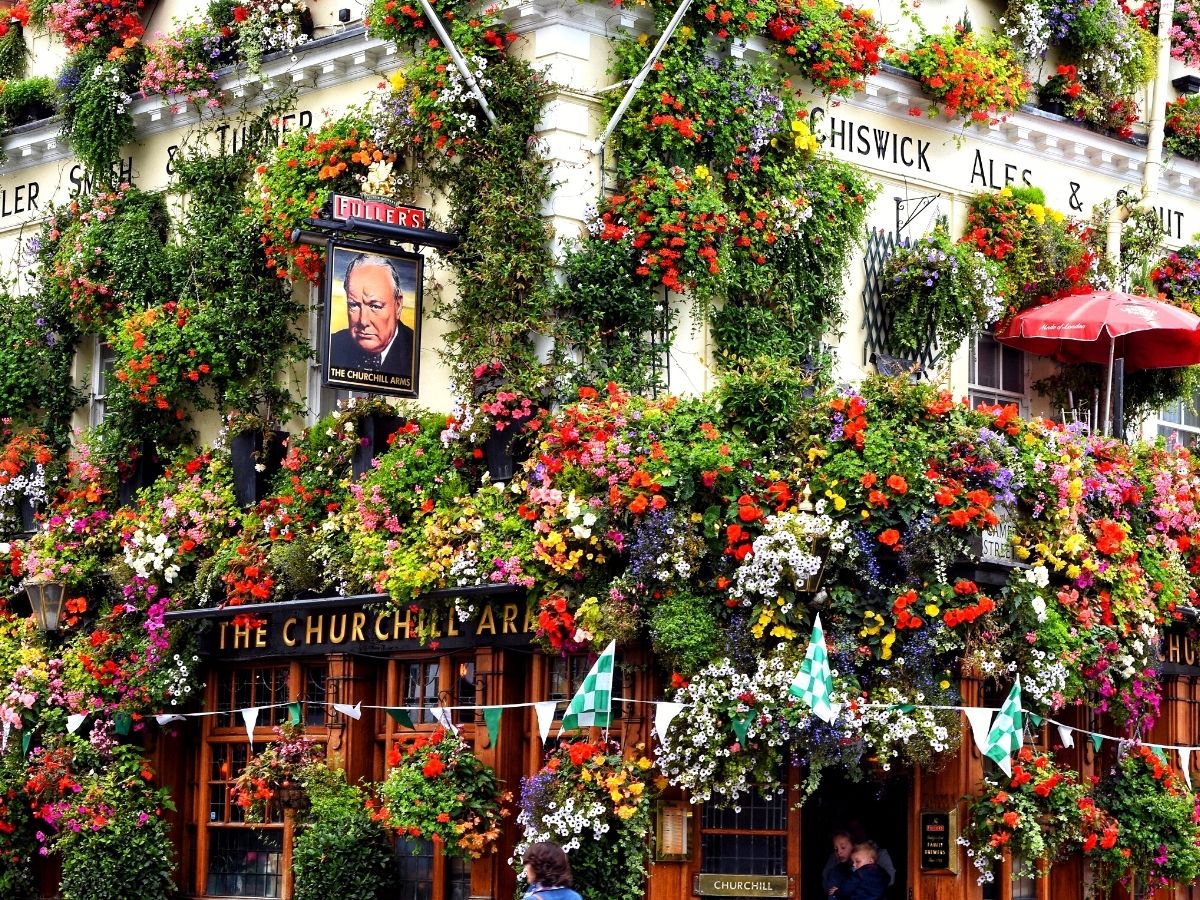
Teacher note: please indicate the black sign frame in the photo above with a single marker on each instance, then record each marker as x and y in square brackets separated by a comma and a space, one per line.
[343, 358]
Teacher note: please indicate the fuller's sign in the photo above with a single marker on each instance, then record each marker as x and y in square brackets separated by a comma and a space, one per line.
[294, 629]
[346, 207]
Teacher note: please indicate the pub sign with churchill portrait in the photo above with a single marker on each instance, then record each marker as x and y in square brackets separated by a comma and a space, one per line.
[373, 316]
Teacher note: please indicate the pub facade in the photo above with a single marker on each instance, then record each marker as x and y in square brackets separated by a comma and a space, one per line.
[374, 662]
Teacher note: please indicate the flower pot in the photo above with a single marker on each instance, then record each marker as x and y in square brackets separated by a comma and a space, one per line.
[256, 456]
[144, 470]
[28, 513]
[1055, 107]
[503, 451]
[374, 430]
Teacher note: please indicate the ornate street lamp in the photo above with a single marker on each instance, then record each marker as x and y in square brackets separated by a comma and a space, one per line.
[46, 598]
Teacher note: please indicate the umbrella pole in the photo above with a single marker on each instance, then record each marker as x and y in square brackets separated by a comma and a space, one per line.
[1112, 347]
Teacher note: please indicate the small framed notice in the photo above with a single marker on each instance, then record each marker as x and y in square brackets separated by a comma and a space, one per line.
[939, 840]
[673, 832]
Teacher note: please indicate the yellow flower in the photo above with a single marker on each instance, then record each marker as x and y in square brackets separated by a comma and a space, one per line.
[931, 610]
[643, 39]
[1073, 571]
[626, 812]
[702, 174]
[616, 795]
[839, 502]
[944, 684]
[636, 788]
[803, 138]
[644, 764]
[585, 775]
[1055, 216]
[1036, 211]
[398, 81]
[815, 453]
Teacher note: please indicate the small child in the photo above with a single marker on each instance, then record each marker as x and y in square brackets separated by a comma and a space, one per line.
[868, 881]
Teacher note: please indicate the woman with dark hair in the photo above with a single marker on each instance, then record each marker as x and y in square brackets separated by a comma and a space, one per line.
[548, 873]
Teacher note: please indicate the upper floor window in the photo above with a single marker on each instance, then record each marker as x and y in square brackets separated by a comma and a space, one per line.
[1179, 421]
[997, 372]
[103, 361]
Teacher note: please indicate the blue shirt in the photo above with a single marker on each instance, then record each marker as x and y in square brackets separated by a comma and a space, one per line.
[537, 892]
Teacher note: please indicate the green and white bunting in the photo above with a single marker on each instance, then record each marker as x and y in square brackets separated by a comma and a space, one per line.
[814, 683]
[592, 704]
[1008, 731]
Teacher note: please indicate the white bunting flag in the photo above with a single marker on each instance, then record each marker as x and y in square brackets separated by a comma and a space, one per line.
[168, 718]
[250, 717]
[4, 741]
[442, 717]
[545, 716]
[354, 712]
[74, 721]
[980, 718]
[1066, 734]
[664, 713]
[1185, 765]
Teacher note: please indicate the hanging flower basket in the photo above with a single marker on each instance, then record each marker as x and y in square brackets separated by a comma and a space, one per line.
[290, 794]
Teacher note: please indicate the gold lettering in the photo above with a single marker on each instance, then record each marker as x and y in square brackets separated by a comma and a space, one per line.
[289, 638]
[1189, 652]
[337, 629]
[224, 626]
[530, 621]
[487, 621]
[314, 629]
[356, 626]
[379, 632]
[406, 624]
[452, 624]
[1173, 648]
[241, 637]
[510, 619]
[260, 637]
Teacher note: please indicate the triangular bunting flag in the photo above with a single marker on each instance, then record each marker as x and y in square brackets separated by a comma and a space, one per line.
[354, 712]
[1185, 765]
[74, 721]
[741, 724]
[1066, 734]
[442, 717]
[168, 718]
[980, 718]
[400, 716]
[906, 708]
[1097, 740]
[293, 713]
[26, 740]
[664, 714]
[545, 716]
[122, 723]
[1007, 734]
[1160, 753]
[250, 717]
[592, 704]
[491, 718]
[4, 737]
[1036, 720]
[814, 683]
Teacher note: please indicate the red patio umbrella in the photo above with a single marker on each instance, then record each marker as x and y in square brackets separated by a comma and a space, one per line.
[1107, 325]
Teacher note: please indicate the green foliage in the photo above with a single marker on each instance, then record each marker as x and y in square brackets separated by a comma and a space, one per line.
[27, 100]
[608, 313]
[1183, 126]
[97, 120]
[1145, 392]
[340, 851]
[766, 397]
[17, 844]
[129, 856]
[14, 54]
[35, 367]
[685, 631]
[938, 289]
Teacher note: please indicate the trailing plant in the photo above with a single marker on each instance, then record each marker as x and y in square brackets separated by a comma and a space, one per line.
[14, 53]
[939, 290]
[341, 850]
[97, 93]
[182, 65]
[1158, 838]
[404, 22]
[35, 365]
[979, 79]
[1183, 126]
[98, 24]
[280, 766]
[595, 802]
[1034, 815]
[17, 843]
[1176, 277]
[436, 787]
[835, 45]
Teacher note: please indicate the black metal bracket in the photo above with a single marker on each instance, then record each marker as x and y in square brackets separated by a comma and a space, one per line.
[319, 231]
[921, 204]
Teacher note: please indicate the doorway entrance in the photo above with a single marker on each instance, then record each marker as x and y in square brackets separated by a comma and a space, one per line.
[867, 809]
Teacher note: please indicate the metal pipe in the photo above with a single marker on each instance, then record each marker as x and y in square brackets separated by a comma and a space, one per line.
[598, 148]
[1158, 118]
[459, 62]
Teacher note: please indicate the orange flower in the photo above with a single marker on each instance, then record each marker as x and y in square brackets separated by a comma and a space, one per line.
[890, 538]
